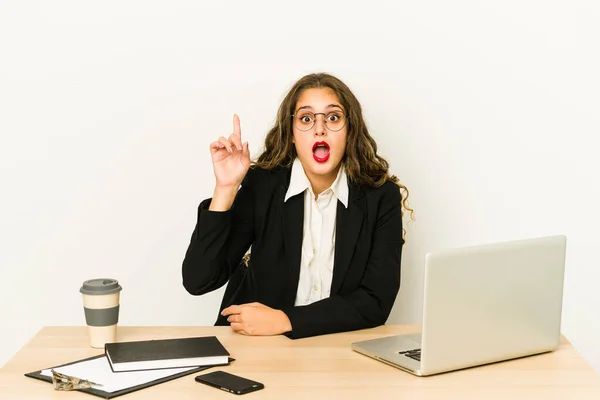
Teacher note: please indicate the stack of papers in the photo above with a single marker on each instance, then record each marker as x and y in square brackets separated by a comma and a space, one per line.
[140, 364]
[98, 370]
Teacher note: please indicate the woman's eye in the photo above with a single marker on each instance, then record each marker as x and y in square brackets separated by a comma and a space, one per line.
[306, 119]
[334, 117]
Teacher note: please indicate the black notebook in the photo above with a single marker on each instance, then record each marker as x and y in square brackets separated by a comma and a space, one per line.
[166, 353]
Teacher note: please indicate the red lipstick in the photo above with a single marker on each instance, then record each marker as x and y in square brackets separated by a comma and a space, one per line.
[320, 152]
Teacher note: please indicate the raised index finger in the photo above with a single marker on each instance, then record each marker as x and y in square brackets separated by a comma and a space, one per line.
[236, 126]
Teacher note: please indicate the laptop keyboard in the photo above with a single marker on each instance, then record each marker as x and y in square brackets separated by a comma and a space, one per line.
[415, 354]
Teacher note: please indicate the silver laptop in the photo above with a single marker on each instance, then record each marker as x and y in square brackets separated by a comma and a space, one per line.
[482, 304]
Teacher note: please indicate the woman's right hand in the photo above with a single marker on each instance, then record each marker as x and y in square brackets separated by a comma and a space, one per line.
[231, 158]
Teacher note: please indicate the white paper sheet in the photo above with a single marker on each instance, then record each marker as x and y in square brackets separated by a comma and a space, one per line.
[98, 371]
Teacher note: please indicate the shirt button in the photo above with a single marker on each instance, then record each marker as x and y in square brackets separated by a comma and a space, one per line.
[316, 288]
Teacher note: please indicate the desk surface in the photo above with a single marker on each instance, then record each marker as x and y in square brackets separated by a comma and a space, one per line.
[311, 368]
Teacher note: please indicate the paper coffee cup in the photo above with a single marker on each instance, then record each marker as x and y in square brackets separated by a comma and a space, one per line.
[101, 306]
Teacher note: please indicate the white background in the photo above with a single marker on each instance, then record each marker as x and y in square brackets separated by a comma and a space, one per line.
[487, 111]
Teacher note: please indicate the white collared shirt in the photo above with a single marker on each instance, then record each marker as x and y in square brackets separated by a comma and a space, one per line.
[318, 239]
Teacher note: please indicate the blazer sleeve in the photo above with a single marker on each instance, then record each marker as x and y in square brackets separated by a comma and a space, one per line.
[371, 303]
[219, 241]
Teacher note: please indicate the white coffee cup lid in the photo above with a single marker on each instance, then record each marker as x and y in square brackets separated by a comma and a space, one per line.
[100, 286]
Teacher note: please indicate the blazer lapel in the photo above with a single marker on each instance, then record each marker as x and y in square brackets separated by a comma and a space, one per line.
[348, 225]
[293, 219]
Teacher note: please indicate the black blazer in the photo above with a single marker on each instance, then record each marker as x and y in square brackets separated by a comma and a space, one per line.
[368, 248]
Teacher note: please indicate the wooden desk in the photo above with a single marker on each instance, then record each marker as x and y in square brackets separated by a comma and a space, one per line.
[314, 368]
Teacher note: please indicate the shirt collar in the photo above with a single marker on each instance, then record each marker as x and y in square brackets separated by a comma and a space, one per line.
[299, 183]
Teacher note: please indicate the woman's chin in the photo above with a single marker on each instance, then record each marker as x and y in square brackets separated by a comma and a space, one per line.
[321, 168]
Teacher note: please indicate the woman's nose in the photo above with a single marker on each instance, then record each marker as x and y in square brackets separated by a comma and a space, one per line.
[320, 128]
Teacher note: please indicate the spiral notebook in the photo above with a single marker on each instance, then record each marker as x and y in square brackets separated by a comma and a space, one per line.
[97, 369]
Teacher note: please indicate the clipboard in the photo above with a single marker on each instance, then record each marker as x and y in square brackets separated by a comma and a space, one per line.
[176, 373]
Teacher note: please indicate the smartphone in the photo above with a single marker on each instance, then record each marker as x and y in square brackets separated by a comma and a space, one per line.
[229, 382]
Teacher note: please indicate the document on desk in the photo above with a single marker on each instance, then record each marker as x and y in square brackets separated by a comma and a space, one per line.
[98, 370]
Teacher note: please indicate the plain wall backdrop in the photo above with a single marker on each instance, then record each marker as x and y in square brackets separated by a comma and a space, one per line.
[487, 111]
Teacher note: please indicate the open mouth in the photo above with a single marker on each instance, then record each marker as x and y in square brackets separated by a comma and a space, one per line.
[321, 152]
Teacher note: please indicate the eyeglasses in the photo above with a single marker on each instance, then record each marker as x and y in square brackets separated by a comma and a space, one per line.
[334, 121]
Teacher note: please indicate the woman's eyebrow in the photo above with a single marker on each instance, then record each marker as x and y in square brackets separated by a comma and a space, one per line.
[304, 108]
[329, 106]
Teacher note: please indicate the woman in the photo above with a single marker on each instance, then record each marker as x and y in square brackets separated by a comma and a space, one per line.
[320, 212]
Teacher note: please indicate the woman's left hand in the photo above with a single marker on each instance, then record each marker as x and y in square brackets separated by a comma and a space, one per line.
[257, 319]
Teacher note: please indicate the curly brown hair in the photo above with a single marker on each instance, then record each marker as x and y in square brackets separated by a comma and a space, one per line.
[363, 165]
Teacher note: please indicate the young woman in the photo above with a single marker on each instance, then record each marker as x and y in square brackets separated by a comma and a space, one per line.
[318, 217]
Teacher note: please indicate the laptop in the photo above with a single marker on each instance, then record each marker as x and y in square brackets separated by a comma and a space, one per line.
[482, 304]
